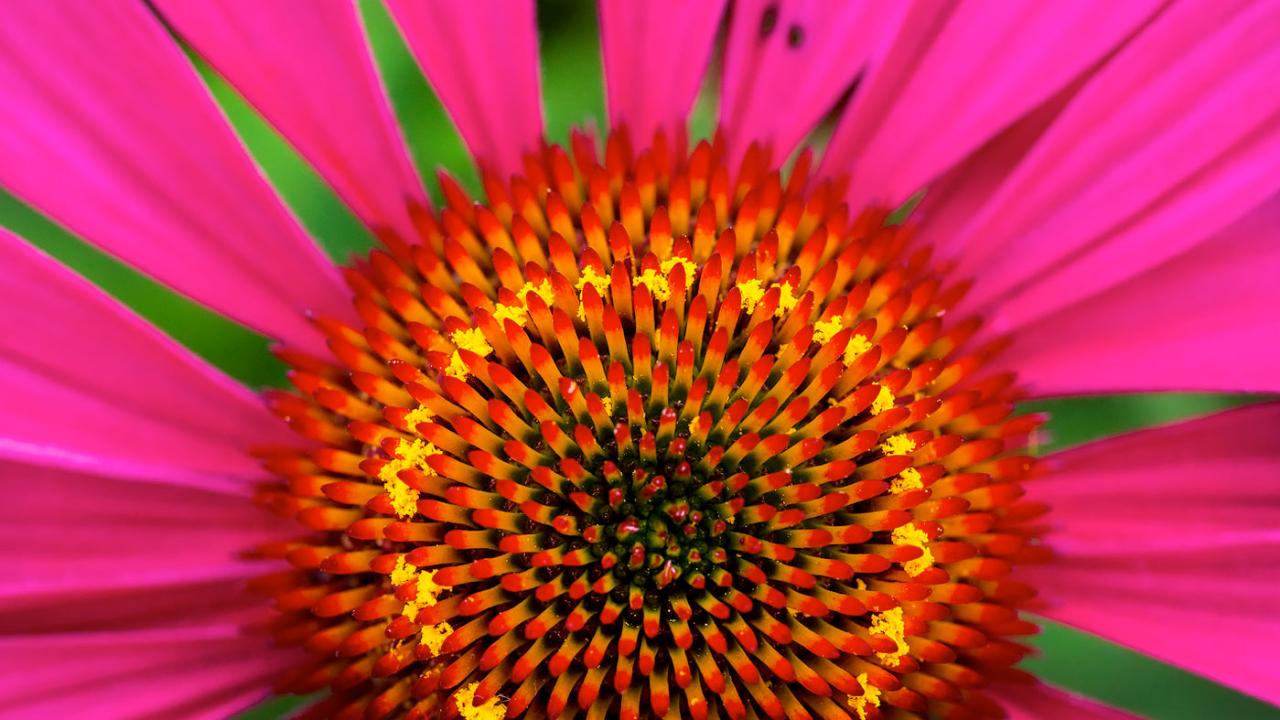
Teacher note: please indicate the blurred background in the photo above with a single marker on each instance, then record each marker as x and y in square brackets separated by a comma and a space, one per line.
[573, 95]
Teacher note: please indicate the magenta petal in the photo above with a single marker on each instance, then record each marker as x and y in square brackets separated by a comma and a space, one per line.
[1171, 141]
[203, 672]
[483, 63]
[87, 551]
[1168, 541]
[86, 382]
[307, 67]
[962, 191]
[655, 54]
[171, 192]
[954, 79]
[786, 65]
[1203, 321]
[1044, 702]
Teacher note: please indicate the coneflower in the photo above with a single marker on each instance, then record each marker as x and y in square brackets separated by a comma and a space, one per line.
[641, 435]
[645, 430]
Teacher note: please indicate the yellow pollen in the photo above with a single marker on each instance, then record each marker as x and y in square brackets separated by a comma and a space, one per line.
[471, 339]
[911, 535]
[786, 299]
[420, 414]
[428, 590]
[590, 277]
[890, 624]
[515, 313]
[752, 293]
[898, 445]
[416, 453]
[404, 499]
[657, 284]
[908, 479]
[594, 279]
[457, 368]
[433, 637]
[883, 402]
[519, 312]
[542, 290]
[826, 330]
[695, 425]
[411, 611]
[689, 266]
[870, 696]
[858, 344]
[403, 571]
[607, 402]
[491, 709]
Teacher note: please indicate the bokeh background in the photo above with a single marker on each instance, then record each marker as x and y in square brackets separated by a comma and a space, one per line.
[573, 95]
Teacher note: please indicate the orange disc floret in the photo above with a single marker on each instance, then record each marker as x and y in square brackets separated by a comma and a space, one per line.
[642, 436]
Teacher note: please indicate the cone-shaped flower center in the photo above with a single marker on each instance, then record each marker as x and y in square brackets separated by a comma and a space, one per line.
[642, 437]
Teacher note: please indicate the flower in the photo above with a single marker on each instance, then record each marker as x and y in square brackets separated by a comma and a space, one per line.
[654, 425]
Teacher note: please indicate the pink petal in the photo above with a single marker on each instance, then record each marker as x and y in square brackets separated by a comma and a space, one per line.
[957, 195]
[109, 130]
[1166, 145]
[786, 65]
[1168, 541]
[85, 551]
[85, 382]
[959, 74]
[655, 54]
[1203, 321]
[1044, 702]
[203, 672]
[483, 63]
[307, 67]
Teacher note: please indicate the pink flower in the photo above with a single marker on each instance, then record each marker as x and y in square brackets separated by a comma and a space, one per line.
[515, 491]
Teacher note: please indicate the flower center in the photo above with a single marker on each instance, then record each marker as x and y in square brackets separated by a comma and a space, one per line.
[642, 436]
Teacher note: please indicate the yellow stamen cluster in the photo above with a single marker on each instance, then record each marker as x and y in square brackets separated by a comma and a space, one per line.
[432, 637]
[426, 591]
[403, 572]
[858, 344]
[519, 312]
[657, 284]
[912, 535]
[752, 293]
[826, 330]
[907, 480]
[491, 709]
[590, 277]
[404, 499]
[898, 445]
[870, 696]
[471, 339]
[890, 624]
[420, 414]
[883, 402]
[690, 268]
[787, 299]
[515, 313]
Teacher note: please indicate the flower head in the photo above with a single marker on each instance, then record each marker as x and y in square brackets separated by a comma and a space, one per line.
[650, 425]
[656, 478]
